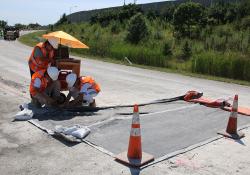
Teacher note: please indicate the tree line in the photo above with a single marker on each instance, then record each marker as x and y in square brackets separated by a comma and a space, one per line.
[186, 18]
[20, 26]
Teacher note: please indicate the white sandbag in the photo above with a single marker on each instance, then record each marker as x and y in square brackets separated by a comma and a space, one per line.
[23, 115]
[81, 133]
[75, 131]
[69, 130]
[59, 128]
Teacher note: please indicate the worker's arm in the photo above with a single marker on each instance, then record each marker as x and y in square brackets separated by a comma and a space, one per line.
[53, 60]
[49, 100]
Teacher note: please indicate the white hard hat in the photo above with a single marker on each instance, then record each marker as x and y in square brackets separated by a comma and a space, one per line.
[53, 42]
[53, 73]
[71, 79]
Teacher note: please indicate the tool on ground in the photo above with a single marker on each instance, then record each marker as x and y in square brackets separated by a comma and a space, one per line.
[219, 103]
[192, 95]
[231, 131]
[134, 156]
[196, 97]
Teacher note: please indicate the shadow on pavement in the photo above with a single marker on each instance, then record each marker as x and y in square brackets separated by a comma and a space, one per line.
[240, 142]
[65, 142]
[135, 171]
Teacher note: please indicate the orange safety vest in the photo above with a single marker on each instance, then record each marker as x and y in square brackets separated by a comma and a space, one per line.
[91, 81]
[40, 75]
[37, 63]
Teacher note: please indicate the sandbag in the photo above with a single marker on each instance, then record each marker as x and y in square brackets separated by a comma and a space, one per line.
[81, 133]
[24, 114]
[76, 131]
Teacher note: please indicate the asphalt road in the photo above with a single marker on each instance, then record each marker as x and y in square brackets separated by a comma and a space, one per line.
[26, 150]
[122, 84]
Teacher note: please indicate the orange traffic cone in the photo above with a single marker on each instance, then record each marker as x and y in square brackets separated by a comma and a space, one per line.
[135, 156]
[134, 146]
[231, 130]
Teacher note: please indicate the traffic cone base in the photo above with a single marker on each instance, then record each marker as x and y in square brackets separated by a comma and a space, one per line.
[123, 158]
[231, 131]
[232, 125]
[236, 136]
[134, 156]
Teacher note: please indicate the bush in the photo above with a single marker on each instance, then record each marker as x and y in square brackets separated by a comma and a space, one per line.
[115, 28]
[209, 53]
[245, 23]
[52, 28]
[137, 29]
[63, 19]
[186, 51]
[189, 17]
[158, 35]
[101, 47]
[167, 49]
[138, 54]
[229, 66]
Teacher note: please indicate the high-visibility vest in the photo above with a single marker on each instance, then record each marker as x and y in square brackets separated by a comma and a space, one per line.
[91, 81]
[40, 75]
[37, 63]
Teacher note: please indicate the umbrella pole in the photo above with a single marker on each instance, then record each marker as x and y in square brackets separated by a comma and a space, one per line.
[60, 50]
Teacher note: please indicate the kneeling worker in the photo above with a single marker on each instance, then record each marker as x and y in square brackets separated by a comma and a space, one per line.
[82, 89]
[45, 88]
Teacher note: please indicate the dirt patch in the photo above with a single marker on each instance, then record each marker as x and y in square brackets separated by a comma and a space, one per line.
[11, 83]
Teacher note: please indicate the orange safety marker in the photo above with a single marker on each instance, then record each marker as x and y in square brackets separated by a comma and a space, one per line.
[231, 131]
[134, 156]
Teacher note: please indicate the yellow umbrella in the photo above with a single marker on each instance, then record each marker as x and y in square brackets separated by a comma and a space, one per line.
[65, 39]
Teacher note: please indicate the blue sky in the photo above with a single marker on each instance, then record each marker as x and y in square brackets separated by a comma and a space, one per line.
[49, 11]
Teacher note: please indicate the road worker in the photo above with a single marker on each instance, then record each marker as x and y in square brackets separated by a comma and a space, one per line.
[45, 88]
[41, 57]
[83, 90]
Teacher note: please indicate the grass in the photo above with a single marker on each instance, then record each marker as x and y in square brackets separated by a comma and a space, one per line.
[212, 49]
[167, 70]
[32, 39]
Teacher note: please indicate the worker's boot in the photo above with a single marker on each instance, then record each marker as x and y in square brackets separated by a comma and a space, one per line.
[93, 104]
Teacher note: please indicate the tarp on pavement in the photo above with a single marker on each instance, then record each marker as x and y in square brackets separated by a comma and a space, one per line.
[166, 127]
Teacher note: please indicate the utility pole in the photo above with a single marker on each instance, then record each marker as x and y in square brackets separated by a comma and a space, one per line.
[135, 1]
[124, 2]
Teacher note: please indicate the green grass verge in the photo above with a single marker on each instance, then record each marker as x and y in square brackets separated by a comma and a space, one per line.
[32, 39]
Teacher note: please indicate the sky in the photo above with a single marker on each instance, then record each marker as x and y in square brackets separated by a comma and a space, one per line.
[49, 11]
